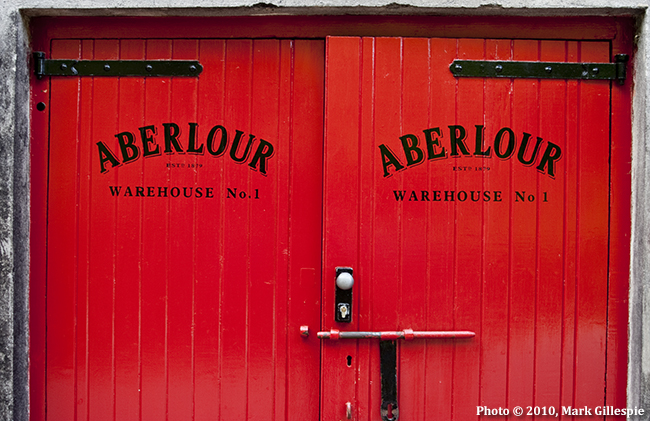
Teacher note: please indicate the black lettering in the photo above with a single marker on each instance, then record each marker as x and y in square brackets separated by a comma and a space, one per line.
[263, 152]
[410, 145]
[175, 192]
[457, 135]
[162, 191]
[198, 192]
[222, 145]
[208, 193]
[478, 196]
[388, 158]
[524, 146]
[185, 193]
[130, 152]
[551, 154]
[399, 195]
[191, 143]
[436, 196]
[105, 155]
[461, 196]
[425, 196]
[139, 191]
[128, 192]
[115, 190]
[413, 197]
[147, 136]
[150, 192]
[520, 196]
[231, 193]
[449, 196]
[434, 142]
[478, 149]
[235, 146]
[172, 131]
[510, 148]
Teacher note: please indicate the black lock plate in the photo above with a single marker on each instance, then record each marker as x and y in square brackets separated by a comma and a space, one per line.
[343, 299]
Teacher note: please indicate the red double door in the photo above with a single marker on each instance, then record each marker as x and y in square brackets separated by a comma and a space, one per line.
[194, 224]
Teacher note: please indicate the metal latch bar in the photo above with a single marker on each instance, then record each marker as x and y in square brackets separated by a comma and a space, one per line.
[49, 67]
[542, 70]
[407, 334]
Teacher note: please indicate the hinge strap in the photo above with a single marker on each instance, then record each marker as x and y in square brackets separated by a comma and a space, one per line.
[48, 67]
[542, 70]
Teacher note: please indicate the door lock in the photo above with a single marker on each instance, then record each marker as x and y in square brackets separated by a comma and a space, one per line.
[343, 297]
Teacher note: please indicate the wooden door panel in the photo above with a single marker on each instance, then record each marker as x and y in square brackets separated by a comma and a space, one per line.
[172, 286]
[451, 224]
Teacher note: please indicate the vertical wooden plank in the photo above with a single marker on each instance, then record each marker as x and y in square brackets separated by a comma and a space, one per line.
[468, 245]
[388, 213]
[523, 231]
[367, 359]
[591, 311]
[388, 216]
[570, 238]
[496, 266]
[415, 235]
[182, 245]
[86, 159]
[340, 234]
[128, 252]
[302, 81]
[155, 256]
[440, 251]
[281, 174]
[550, 201]
[237, 261]
[102, 248]
[209, 235]
[264, 234]
[62, 264]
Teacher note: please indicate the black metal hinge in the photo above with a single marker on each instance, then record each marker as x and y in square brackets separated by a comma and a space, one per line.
[48, 67]
[542, 70]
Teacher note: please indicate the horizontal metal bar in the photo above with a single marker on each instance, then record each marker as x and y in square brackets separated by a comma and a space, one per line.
[407, 334]
[541, 70]
[48, 67]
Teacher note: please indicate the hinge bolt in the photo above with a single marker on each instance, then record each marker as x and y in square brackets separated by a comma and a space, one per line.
[64, 66]
[498, 68]
[149, 67]
[192, 68]
[548, 69]
[107, 67]
[595, 70]
[458, 68]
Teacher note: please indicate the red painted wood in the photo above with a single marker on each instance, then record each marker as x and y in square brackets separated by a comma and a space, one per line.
[177, 307]
[156, 260]
[338, 381]
[518, 271]
[189, 309]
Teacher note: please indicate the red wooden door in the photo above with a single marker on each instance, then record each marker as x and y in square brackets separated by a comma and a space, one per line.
[468, 204]
[194, 225]
[172, 204]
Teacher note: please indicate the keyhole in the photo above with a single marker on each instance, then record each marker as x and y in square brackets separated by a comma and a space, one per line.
[389, 412]
[349, 360]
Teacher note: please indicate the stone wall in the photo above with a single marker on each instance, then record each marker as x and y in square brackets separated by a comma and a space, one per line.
[14, 149]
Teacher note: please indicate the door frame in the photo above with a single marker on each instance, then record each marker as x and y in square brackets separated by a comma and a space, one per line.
[619, 31]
